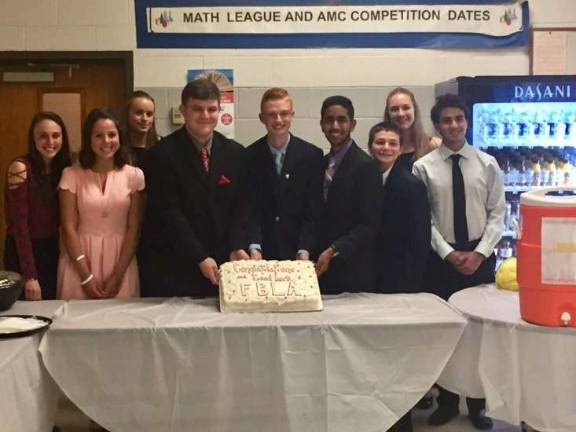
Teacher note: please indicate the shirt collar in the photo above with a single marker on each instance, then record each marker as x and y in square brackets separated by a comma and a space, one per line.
[199, 146]
[339, 155]
[282, 150]
[385, 175]
[466, 151]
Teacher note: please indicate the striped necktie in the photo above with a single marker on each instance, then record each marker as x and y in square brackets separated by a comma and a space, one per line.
[205, 158]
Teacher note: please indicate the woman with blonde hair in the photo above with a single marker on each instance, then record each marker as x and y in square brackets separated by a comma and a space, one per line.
[139, 126]
[402, 110]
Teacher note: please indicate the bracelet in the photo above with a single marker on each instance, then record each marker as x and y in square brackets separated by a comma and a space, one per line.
[80, 257]
[88, 279]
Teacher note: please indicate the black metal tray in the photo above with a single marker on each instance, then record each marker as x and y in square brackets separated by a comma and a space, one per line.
[23, 333]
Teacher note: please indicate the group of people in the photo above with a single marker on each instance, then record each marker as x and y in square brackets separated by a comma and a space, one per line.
[415, 214]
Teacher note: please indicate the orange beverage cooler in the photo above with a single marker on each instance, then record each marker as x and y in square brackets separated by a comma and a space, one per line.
[547, 256]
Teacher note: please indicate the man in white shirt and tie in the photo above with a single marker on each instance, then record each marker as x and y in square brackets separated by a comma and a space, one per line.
[466, 193]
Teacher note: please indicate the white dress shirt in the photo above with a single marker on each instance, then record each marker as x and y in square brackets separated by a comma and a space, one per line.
[385, 175]
[484, 189]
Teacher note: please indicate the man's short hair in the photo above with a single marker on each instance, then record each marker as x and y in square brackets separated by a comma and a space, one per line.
[343, 101]
[201, 89]
[448, 101]
[274, 93]
[383, 126]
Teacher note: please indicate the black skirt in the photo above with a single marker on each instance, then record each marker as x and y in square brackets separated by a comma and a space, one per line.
[46, 253]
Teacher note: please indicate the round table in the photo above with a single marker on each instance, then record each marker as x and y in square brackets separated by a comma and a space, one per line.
[28, 395]
[526, 372]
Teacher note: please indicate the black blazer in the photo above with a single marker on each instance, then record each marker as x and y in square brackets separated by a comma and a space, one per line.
[350, 223]
[285, 207]
[403, 244]
[191, 215]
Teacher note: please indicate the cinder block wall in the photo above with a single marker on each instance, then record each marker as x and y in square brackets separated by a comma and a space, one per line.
[368, 104]
[364, 75]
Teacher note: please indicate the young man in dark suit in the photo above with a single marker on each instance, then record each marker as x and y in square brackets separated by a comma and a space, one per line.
[197, 206]
[351, 212]
[285, 177]
[403, 244]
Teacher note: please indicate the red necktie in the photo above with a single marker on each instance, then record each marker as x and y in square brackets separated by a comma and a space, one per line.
[205, 158]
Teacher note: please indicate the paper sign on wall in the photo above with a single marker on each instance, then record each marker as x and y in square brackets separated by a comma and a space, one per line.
[558, 255]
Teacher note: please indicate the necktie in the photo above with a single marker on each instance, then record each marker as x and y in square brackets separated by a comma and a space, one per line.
[279, 162]
[459, 198]
[329, 176]
[205, 158]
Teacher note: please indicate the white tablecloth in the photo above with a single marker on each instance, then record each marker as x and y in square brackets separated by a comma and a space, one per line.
[28, 395]
[180, 365]
[526, 372]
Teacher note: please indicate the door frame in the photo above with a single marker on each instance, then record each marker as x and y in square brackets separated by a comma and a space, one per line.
[124, 57]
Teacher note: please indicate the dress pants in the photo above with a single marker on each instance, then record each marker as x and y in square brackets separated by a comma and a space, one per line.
[443, 280]
[449, 401]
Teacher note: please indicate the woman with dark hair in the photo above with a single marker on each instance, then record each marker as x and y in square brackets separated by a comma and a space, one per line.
[138, 125]
[402, 111]
[101, 205]
[30, 202]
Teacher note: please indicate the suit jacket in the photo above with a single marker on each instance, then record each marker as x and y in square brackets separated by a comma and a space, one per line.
[285, 207]
[403, 242]
[191, 215]
[350, 223]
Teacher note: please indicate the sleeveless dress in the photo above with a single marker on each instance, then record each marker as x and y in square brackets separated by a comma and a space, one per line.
[102, 218]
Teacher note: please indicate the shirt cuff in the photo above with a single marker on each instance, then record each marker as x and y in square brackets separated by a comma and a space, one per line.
[256, 246]
[484, 248]
[303, 252]
[444, 249]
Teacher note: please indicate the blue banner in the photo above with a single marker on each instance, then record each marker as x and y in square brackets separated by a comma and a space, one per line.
[331, 24]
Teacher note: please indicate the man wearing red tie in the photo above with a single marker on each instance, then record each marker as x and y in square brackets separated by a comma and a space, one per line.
[196, 212]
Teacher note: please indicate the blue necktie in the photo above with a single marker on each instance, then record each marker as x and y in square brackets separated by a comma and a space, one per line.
[279, 160]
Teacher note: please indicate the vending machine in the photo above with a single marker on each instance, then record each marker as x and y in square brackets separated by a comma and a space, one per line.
[528, 123]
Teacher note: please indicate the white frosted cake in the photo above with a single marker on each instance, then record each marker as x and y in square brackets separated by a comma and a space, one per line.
[269, 286]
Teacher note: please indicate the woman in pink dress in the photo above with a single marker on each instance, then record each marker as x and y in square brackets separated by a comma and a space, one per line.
[101, 205]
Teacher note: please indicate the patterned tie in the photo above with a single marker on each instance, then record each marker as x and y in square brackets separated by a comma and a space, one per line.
[205, 158]
[459, 198]
[329, 176]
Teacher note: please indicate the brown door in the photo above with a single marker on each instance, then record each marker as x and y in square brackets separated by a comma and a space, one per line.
[79, 84]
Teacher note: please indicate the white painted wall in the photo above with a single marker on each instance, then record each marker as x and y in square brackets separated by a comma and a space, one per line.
[44, 25]
[109, 25]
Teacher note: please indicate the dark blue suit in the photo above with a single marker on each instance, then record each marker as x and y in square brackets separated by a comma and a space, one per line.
[350, 222]
[285, 206]
[403, 242]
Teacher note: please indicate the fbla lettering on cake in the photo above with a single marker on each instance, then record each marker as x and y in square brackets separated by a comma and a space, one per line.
[269, 286]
